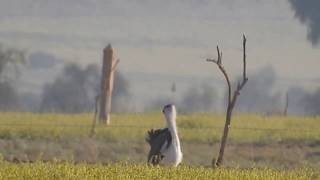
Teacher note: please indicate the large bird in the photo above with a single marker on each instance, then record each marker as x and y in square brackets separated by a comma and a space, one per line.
[164, 143]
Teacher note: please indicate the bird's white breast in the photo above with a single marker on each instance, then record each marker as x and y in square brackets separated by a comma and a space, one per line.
[172, 155]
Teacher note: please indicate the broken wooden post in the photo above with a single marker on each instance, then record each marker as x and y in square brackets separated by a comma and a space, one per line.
[108, 67]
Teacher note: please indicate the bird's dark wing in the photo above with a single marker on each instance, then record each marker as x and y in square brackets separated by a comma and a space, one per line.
[157, 139]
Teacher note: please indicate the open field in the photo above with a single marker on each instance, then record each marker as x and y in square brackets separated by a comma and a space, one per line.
[192, 128]
[254, 140]
[41, 170]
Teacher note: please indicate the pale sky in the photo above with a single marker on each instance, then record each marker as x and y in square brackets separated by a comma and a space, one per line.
[168, 37]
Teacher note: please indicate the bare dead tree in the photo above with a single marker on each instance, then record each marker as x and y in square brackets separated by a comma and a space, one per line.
[232, 98]
[94, 122]
[285, 110]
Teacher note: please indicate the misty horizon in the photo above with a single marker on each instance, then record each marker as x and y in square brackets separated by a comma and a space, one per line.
[161, 43]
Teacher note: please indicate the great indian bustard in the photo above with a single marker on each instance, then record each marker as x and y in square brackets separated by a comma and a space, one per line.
[164, 143]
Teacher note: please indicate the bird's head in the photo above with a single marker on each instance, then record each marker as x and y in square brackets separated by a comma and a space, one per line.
[169, 111]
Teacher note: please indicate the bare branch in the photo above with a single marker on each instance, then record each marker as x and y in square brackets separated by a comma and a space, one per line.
[244, 59]
[244, 78]
[219, 57]
[96, 106]
[212, 60]
[285, 110]
[224, 72]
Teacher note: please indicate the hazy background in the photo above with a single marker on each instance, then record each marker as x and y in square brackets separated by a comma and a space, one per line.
[162, 46]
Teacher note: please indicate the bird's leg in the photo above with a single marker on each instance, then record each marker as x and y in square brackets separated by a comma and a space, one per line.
[156, 159]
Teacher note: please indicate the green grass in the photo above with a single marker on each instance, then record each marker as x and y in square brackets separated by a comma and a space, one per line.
[41, 171]
[133, 127]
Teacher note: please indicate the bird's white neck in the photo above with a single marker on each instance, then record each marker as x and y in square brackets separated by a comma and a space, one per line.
[171, 123]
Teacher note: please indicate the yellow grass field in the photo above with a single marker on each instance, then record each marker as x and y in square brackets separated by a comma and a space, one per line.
[194, 127]
[41, 171]
[259, 147]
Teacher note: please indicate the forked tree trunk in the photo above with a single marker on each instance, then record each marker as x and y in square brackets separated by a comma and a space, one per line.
[231, 99]
[109, 63]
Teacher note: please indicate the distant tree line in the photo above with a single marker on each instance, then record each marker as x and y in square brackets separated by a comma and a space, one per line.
[75, 88]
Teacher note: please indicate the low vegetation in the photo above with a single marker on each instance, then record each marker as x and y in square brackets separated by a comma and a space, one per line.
[192, 128]
[41, 170]
[255, 141]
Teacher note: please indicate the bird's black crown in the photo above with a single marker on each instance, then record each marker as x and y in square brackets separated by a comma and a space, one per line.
[167, 106]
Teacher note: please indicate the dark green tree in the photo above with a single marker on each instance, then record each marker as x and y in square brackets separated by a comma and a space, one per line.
[10, 59]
